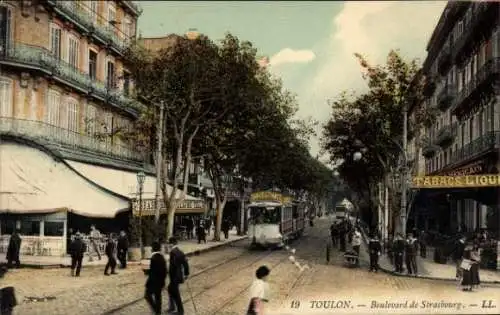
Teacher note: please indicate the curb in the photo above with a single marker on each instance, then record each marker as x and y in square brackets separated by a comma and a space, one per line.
[393, 273]
[133, 263]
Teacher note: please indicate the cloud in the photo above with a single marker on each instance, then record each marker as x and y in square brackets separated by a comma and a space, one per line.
[372, 29]
[288, 55]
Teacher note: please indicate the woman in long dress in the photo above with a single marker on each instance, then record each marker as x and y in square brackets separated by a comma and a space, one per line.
[470, 267]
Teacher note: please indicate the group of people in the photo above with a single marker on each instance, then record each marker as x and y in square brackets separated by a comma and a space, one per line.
[203, 227]
[344, 232]
[116, 249]
[467, 257]
[404, 251]
[177, 271]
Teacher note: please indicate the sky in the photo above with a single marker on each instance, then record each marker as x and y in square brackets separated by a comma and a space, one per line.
[311, 45]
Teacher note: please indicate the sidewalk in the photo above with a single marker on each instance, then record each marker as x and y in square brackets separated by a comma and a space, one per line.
[190, 248]
[428, 269]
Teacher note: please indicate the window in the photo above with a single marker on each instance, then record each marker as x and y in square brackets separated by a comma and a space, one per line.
[5, 98]
[53, 108]
[92, 64]
[90, 120]
[73, 115]
[93, 10]
[7, 226]
[486, 122]
[30, 228]
[460, 28]
[53, 228]
[472, 132]
[126, 83]
[5, 20]
[111, 13]
[55, 40]
[73, 51]
[110, 75]
[127, 28]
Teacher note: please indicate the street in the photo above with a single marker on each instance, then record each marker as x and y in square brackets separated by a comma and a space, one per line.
[219, 281]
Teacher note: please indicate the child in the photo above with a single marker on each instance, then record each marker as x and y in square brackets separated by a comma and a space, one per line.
[258, 292]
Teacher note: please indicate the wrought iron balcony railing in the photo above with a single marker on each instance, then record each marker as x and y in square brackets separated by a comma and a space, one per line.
[482, 77]
[446, 134]
[444, 61]
[479, 146]
[90, 23]
[41, 58]
[429, 149]
[445, 97]
[46, 133]
[478, 19]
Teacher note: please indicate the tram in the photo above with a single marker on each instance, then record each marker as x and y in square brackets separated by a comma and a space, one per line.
[274, 219]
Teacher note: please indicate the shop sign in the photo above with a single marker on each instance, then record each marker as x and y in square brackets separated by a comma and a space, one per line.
[149, 206]
[468, 170]
[456, 181]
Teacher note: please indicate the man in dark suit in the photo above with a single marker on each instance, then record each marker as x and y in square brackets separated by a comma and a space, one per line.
[77, 250]
[178, 272]
[157, 274]
[122, 249]
[110, 253]
[14, 249]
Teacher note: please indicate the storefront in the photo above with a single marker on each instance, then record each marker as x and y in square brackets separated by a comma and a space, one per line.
[38, 190]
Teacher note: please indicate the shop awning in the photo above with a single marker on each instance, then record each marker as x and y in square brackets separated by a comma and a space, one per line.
[32, 181]
[125, 184]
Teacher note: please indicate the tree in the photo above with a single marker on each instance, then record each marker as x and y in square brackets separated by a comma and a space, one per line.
[373, 121]
[189, 78]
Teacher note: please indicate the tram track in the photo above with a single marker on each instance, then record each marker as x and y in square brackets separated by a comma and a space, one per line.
[244, 256]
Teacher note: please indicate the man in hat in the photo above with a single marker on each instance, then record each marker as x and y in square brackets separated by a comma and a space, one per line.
[457, 254]
[411, 245]
[14, 249]
[157, 275]
[398, 251]
[110, 253]
[122, 248]
[374, 247]
[178, 271]
[77, 250]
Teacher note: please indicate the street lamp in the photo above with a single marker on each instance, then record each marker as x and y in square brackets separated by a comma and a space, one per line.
[140, 181]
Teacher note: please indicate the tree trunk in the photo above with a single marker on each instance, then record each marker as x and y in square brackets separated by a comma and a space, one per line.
[220, 202]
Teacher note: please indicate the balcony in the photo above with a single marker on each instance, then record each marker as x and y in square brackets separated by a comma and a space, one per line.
[430, 85]
[134, 7]
[444, 61]
[39, 58]
[486, 74]
[484, 16]
[429, 149]
[90, 23]
[446, 135]
[445, 98]
[45, 133]
[483, 144]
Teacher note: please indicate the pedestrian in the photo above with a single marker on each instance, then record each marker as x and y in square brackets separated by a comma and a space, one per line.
[200, 233]
[259, 292]
[122, 249]
[69, 238]
[422, 242]
[157, 275]
[225, 228]
[457, 255]
[110, 253]
[342, 232]
[356, 240]
[470, 267]
[333, 234]
[95, 238]
[208, 225]
[398, 251]
[375, 248]
[7, 300]
[14, 249]
[178, 271]
[411, 245]
[78, 249]
[190, 227]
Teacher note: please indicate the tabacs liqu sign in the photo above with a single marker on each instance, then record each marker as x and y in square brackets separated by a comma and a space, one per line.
[270, 196]
[467, 181]
[149, 207]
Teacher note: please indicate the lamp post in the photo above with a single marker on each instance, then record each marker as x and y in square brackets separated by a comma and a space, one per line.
[140, 181]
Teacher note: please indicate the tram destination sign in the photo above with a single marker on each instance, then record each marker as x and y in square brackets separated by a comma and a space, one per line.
[466, 181]
[270, 196]
[149, 206]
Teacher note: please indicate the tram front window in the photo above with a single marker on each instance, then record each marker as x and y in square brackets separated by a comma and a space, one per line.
[262, 215]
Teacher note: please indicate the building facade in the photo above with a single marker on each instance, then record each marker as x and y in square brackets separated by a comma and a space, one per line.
[462, 68]
[66, 108]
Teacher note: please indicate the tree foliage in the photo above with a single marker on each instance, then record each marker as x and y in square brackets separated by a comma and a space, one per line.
[373, 121]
